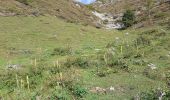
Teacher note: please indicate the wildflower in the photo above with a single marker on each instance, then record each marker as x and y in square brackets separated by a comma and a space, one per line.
[117, 38]
[112, 88]
[126, 33]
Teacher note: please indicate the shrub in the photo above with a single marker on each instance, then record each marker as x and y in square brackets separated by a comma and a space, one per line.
[160, 15]
[154, 95]
[8, 81]
[34, 95]
[167, 96]
[106, 71]
[148, 95]
[150, 32]
[168, 24]
[77, 62]
[62, 51]
[113, 58]
[128, 18]
[79, 91]
[26, 2]
[143, 40]
[154, 74]
[82, 62]
[167, 78]
[90, 7]
[59, 94]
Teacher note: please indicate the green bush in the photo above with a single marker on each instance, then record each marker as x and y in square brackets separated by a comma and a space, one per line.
[160, 15]
[62, 51]
[59, 94]
[90, 7]
[79, 91]
[8, 81]
[104, 71]
[167, 96]
[143, 40]
[128, 18]
[81, 62]
[114, 58]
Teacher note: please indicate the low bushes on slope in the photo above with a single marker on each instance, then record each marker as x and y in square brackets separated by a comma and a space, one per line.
[26, 2]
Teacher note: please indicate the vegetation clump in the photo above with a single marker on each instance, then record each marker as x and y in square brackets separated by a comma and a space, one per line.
[26, 2]
[79, 91]
[128, 18]
[62, 51]
[155, 95]
[81, 62]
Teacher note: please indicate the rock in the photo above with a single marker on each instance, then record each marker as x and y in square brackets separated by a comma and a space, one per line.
[167, 1]
[38, 98]
[2, 14]
[111, 88]
[14, 66]
[1, 98]
[109, 21]
[114, 26]
[98, 90]
[139, 25]
[137, 13]
[14, 51]
[35, 13]
[168, 55]
[77, 5]
[152, 66]
[5, 14]
[98, 25]
[137, 97]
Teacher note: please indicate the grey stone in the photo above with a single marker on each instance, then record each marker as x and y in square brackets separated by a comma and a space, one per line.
[14, 66]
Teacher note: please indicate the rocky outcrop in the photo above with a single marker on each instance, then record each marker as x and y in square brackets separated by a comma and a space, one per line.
[109, 21]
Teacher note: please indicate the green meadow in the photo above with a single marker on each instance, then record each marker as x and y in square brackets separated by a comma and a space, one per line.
[46, 58]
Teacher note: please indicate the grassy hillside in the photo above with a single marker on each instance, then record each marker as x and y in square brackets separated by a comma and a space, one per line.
[47, 58]
[64, 9]
[43, 57]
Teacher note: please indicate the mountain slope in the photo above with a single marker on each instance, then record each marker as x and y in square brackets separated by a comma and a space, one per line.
[75, 12]
[158, 9]
[65, 9]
